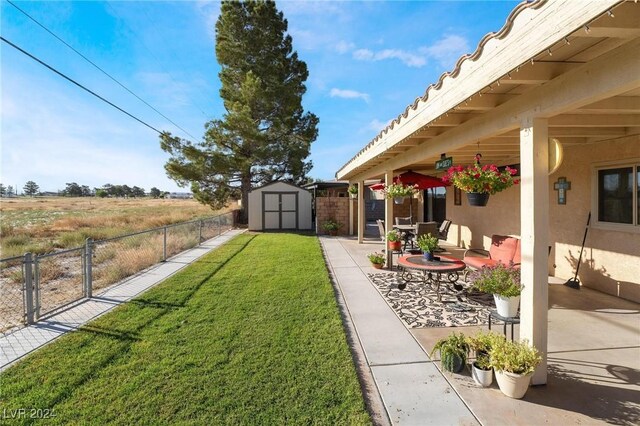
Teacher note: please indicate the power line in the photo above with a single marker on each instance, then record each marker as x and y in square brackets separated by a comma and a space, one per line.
[78, 84]
[100, 69]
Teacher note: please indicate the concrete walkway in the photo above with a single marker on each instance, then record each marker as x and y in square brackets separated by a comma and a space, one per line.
[413, 390]
[19, 343]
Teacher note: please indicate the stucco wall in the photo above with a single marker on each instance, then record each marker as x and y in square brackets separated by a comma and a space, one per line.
[611, 259]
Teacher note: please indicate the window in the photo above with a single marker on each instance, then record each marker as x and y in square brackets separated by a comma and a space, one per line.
[618, 195]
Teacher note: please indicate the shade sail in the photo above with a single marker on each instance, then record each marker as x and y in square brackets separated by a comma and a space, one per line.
[413, 178]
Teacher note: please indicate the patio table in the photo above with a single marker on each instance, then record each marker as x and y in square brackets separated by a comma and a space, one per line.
[434, 272]
[407, 231]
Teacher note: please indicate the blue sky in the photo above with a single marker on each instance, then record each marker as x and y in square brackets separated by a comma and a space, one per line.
[367, 61]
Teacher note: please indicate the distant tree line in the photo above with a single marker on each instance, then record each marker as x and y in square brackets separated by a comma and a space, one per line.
[73, 189]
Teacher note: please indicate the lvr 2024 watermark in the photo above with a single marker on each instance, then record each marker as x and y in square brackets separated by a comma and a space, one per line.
[28, 413]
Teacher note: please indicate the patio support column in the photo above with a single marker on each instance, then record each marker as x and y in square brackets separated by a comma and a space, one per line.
[388, 212]
[351, 201]
[534, 230]
[361, 215]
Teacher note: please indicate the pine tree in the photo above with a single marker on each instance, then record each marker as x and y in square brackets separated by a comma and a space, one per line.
[31, 188]
[265, 134]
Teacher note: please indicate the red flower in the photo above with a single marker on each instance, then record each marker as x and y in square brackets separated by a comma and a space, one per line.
[477, 175]
[516, 181]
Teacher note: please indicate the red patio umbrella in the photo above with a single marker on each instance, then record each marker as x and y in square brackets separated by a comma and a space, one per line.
[412, 178]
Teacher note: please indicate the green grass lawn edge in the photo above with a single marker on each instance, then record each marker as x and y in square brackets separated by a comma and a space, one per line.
[248, 334]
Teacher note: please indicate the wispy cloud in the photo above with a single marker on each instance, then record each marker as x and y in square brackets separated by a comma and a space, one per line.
[445, 51]
[377, 125]
[408, 58]
[348, 94]
[344, 46]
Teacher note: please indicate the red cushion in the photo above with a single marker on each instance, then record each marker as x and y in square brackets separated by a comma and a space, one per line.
[503, 248]
[517, 256]
[479, 262]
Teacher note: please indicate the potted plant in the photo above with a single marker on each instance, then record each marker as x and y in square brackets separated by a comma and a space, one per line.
[481, 369]
[428, 244]
[398, 191]
[353, 191]
[504, 283]
[453, 352]
[514, 363]
[394, 240]
[377, 259]
[331, 226]
[480, 181]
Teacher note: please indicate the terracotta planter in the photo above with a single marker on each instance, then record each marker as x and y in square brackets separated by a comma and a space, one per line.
[377, 265]
[394, 245]
[479, 199]
[482, 377]
[507, 306]
[513, 385]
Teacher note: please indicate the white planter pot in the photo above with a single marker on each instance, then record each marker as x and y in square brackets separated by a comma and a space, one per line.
[507, 306]
[483, 378]
[513, 385]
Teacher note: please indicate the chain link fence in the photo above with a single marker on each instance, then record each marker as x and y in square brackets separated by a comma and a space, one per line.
[32, 287]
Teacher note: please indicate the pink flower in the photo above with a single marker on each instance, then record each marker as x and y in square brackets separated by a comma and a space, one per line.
[485, 167]
[493, 168]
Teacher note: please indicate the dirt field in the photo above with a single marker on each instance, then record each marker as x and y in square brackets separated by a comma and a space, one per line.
[50, 227]
[43, 225]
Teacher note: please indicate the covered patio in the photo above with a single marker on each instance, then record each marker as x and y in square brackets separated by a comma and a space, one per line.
[593, 354]
[556, 93]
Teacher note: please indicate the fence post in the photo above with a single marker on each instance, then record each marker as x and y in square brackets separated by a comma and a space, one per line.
[164, 245]
[28, 287]
[200, 233]
[88, 251]
[36, 288]
[219, 225]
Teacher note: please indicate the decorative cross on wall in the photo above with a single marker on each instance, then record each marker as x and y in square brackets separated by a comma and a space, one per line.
[562, 186]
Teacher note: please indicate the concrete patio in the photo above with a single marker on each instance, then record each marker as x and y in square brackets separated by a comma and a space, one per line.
[593, 356]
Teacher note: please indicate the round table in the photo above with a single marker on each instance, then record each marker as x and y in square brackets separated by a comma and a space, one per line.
[434, 271]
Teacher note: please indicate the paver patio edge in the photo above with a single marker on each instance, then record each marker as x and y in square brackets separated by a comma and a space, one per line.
[17, 344]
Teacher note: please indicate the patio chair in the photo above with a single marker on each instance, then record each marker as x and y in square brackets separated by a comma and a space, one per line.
[403, 220]
[443, 231]
[380, 223]
[423, 228]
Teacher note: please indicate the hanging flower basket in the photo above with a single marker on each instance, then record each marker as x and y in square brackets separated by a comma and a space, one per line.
[479, 199]
[398, 191]
[480, 181]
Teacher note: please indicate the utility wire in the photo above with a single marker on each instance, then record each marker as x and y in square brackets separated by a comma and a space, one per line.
[100, 69]
[79, 85]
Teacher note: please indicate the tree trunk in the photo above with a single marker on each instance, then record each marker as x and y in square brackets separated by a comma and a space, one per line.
[245, 187]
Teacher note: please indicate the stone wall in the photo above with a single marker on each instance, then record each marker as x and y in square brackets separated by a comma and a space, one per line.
[336, 208]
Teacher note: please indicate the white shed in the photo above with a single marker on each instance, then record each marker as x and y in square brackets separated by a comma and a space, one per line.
[279, 206]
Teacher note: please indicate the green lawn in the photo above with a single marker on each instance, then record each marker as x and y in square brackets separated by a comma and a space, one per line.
[249, 334]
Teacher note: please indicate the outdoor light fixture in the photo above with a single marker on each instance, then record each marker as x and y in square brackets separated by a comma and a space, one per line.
[556, 155]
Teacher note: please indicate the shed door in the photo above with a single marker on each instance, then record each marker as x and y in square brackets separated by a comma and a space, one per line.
[280, 210]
